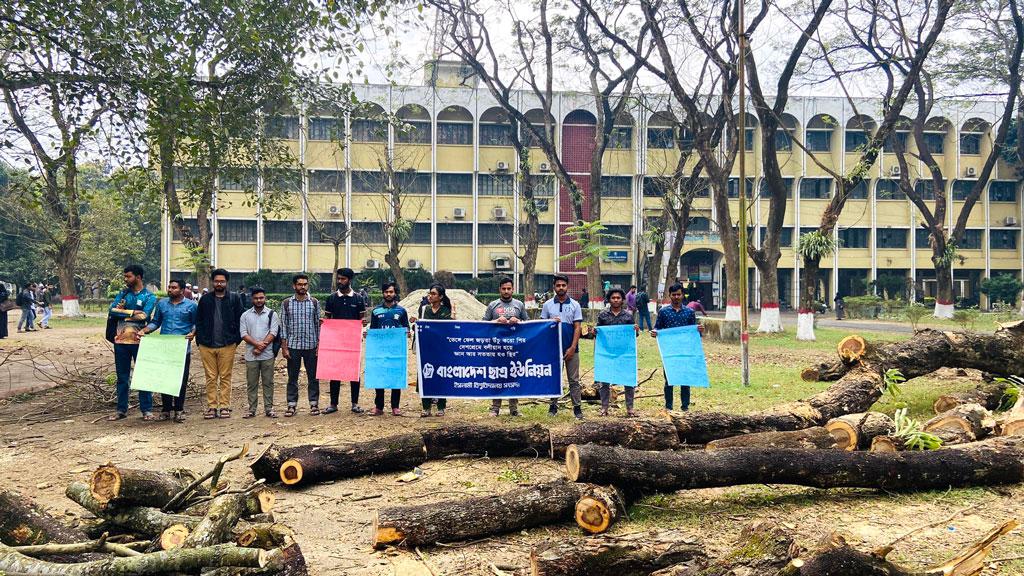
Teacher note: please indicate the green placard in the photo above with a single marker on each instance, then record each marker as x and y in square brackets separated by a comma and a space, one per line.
[160, 364]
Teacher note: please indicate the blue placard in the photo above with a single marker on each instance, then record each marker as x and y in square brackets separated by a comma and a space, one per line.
[682, 355]
[615, 355]
[460, 359]
[386, 357]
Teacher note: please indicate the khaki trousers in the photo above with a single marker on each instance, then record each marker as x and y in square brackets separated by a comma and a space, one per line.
[217, 363]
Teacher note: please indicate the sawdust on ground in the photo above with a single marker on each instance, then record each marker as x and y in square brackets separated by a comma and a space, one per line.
[467, 307]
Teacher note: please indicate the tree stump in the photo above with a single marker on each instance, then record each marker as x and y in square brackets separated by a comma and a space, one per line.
[312, 464]
[815, 438]
[641, 434]
[471, 518]
[977, 464]
[115, 486]
[964, 423]
[988, 394]
[856, 431]
[887, 444]
[605, 555]
[494, 441]
[597, 511]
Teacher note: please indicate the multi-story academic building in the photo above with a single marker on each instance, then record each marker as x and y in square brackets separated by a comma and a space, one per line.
[456, 169]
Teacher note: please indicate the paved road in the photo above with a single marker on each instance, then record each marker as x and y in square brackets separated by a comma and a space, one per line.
[829, 321]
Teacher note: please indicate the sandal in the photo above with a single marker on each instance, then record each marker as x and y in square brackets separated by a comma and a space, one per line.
[396, 411]
[439, 413]
[493, 412]
[164, 416]
[249, 414]
[425, 414]
[330, 409]
[148, 417]
[357, 409]
[314, 411]
[116, 416]
[210, 414]
[225, 412]
[289, 412]
[632, 414]
[603, 412]
[179, 417]
[375, 412]
[271, 414]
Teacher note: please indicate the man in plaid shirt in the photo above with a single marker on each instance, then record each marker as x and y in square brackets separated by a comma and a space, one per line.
[300, 336]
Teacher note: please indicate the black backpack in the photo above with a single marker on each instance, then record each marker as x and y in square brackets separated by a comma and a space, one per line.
[19, 300]
[276, 346]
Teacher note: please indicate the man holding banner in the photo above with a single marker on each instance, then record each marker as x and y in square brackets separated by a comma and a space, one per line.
[568, 312]
[672, 316]
[505, 310]
[389, 315]
[175, 316]
[616, 315]
[129, 313]
[344, 304]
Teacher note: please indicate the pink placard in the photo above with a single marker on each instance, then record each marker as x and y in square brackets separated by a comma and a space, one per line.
[341, 346]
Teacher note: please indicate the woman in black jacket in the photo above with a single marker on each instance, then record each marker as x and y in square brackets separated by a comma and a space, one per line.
[4, 297]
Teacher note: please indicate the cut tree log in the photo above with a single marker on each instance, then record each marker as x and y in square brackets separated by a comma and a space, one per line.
[887, 444]
[964, 423]
[266, 536]
[980, 464]
[852, 348]
[856, 391]
[641, 434]
[987, 394]
[168, 562]
[478, 517]
[636, 554]
[215, 528]
[494, 441]
[1013, 422]
[173, 537]
[312, 464]
[80, 548]
[856, 431]
[111, 485]
[814, 438]
[762, 548]
[22, 522]
[267, 464]
[836, 557]
[598, 510]
[257, 502]
[1000, 354]
[139, 519]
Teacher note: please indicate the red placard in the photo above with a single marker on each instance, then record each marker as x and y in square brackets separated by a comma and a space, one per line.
[341, 346]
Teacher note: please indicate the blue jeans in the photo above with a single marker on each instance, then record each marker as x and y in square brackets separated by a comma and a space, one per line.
[644, 316]
[684, 397]
[124, 355]
[28, 318]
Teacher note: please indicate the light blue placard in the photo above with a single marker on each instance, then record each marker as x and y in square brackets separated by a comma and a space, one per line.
[386, 357]
[615, 355]
[682, 355]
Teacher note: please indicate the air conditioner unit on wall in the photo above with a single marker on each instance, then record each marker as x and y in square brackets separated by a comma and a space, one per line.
[1010, 220]
[334, 210]
[971, 172]
[414, 264]
[372, 264]
[499, 213]
[502, 263]
[459, 213]
[894, 171]
[502, 166]
[545, 167]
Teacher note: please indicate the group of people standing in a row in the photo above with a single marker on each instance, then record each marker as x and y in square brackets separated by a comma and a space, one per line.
[34, 302]
[220, 321]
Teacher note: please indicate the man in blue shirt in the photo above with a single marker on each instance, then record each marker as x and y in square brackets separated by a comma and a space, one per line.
[131, 309]
[570, 314]
[671, 316]
[388, 315]
[176, 316]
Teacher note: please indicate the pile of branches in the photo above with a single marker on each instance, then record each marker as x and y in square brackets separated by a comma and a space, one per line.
[151, 522]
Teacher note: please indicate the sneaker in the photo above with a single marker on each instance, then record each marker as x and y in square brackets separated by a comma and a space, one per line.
[604, 412]
[553, 411]
[513, 413]
[577, 411]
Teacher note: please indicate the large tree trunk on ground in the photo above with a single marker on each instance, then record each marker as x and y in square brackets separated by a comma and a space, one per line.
[493, 441]
[471, 518]
[814, 438]
[168, 562]
[312, 464]
[762, 548]
[22, 523]
[600, 509]
[636, 554]
[119, 487]
[979, 465]
[855, 392]
[137, 519]
[630, 433]
[963, 424]
[988, 394]
[267, 464]
[1001, 353]
[856, 431]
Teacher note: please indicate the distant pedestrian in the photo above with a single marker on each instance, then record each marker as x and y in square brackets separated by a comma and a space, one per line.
[584, 299]
[26, 301]
[43, 302]
[439, 307]
[643, 310]
[671, 316]
[5, 297]
[259, 326]
[696, 306]
[568, 312]
[388, 315]
[218, 336]
[175, 316]
[616, 315]
[245, 297]
[300, 339]
[840, 307]
[131, 309]
[505, 310]
[187, 293]
[631, 299]
[344, 304]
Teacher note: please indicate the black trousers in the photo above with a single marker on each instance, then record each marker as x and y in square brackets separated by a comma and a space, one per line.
[178, 403]
[308, 358]
[396, 398]
[336, 391]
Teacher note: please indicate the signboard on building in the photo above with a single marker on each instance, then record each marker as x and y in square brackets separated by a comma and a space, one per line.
[620, 256]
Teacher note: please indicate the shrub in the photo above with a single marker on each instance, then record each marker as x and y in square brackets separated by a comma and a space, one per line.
[445, 278]
[863, 306]
[1002, 288]
[966, 317]
[914, 313]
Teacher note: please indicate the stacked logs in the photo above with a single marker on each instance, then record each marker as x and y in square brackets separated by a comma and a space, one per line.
[151, 522]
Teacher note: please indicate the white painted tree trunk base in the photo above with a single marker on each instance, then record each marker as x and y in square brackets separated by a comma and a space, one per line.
[771, 321]
[732, 312]
[70, 308]
[805, 326]
[943, 310]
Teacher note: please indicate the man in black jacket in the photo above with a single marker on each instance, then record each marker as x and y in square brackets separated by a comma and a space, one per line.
[218, 336]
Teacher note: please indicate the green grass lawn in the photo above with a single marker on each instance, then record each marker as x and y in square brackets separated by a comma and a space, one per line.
[79, 322]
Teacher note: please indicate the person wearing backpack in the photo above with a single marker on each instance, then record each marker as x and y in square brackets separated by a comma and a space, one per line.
[259, 327]
[25, 300]
[300, 340]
